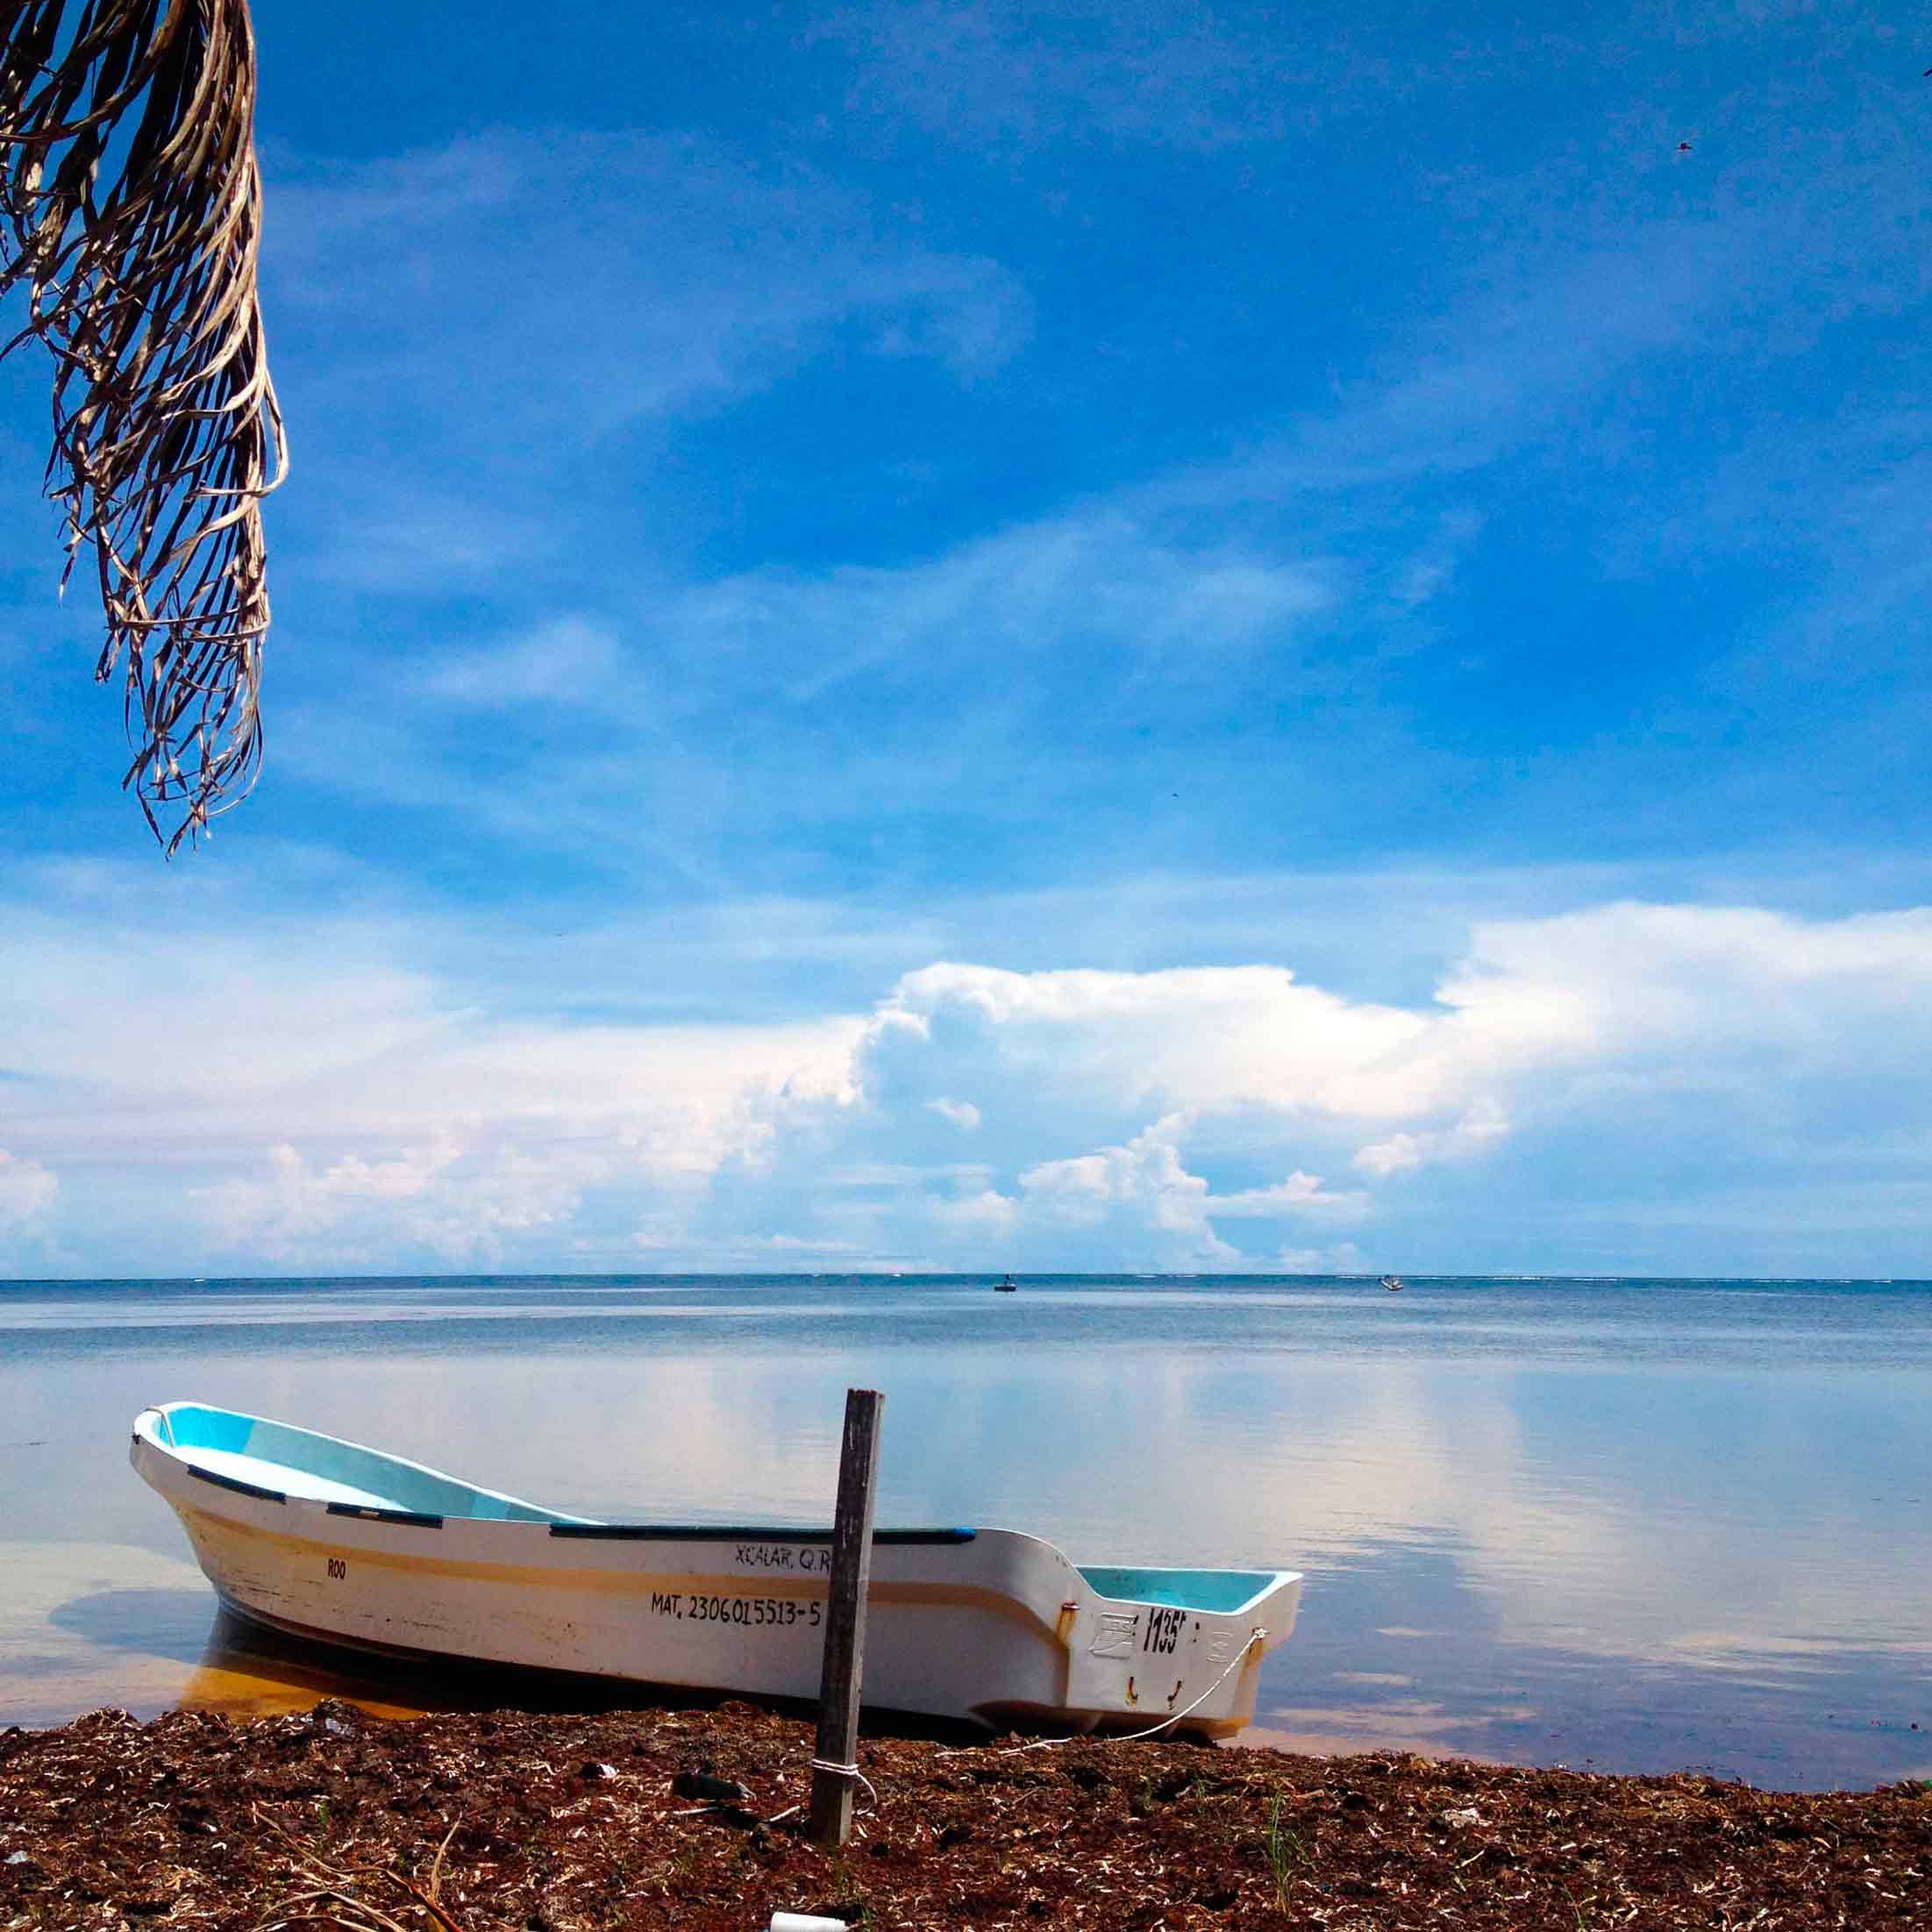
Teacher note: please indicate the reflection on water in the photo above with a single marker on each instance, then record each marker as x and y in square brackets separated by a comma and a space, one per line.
[1641, 1526]
[186, 1650]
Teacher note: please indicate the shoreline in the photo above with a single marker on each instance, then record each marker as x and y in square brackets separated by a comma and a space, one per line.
[554, 1822]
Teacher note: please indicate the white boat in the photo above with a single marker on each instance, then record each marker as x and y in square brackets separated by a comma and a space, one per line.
[326, 1539]
[1392, 1282]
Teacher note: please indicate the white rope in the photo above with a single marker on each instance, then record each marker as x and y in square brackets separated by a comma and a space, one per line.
[835, 1771]
[1255, 1636]
[847, 1772]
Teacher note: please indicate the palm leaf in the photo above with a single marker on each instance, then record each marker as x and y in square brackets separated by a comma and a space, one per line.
[131, 211]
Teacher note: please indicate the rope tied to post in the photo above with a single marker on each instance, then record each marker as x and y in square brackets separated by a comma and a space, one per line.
[851, 1773]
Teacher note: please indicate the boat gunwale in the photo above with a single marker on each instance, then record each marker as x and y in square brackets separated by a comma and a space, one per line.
[181, 1454]
[558, 1525]
[260, 1491]
[742, 1532]
[410, 1519]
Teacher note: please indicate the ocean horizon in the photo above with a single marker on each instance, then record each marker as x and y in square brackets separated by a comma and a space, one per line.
[1631, 1523]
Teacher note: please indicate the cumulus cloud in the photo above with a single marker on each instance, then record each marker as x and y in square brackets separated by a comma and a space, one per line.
[985, 1212]
[492, 1136]
[1202, 1036]
[1148, 1168]
[338, 1101]
[1483, 1124]
[1632, 1031]
[459, 1207]
[1143, 1191]
[1300, 1193]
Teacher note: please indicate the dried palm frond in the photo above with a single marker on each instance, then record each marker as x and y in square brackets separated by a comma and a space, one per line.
[166, 432]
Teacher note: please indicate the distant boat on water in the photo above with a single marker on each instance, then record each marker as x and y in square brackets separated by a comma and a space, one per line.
[1392, 1283]
[1005, 1285]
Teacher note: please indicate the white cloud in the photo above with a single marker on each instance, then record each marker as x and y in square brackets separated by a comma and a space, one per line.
[1481, 1125]
[1142, 1191]
[1042, 590]
[354, 1206]
[690, 275]
[1682, 993]
[1199, 1037]
[702, 680]
[331, 1097]
[315, 1099]
[1150, 1169]
[571, 661]
[465, 331]
[1136, 1198]
[1342, 1258]
[1301, 1193]
[793, 1244]
[1147, 1169]
[27, 1194]
[988, 1212]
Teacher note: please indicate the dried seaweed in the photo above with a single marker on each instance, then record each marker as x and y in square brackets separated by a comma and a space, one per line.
[131, 211]
[460, 1823]
[337, 1891]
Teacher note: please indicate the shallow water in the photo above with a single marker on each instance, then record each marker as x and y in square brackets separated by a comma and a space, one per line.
[1636, 1525]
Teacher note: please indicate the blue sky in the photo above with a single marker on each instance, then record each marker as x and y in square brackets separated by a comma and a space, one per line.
[1075, 636]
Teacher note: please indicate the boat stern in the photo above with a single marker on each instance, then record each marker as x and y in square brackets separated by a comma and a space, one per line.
[1152, 1648]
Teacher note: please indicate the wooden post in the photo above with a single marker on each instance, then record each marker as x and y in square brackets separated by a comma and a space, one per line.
[839, 1684]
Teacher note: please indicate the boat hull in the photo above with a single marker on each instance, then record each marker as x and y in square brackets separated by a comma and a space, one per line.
[985, 1626]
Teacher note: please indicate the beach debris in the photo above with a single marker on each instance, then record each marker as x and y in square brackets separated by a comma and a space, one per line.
[483, 1823]
[336, 1717]
[738, 1818]
[706, 1789]
[1461, 1818]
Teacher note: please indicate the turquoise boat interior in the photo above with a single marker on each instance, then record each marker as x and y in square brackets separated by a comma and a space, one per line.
[1218, 1591]
[275, 1458]
[278, 1461]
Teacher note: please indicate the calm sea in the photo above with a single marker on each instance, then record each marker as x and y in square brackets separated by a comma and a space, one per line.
[1633, 1525]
